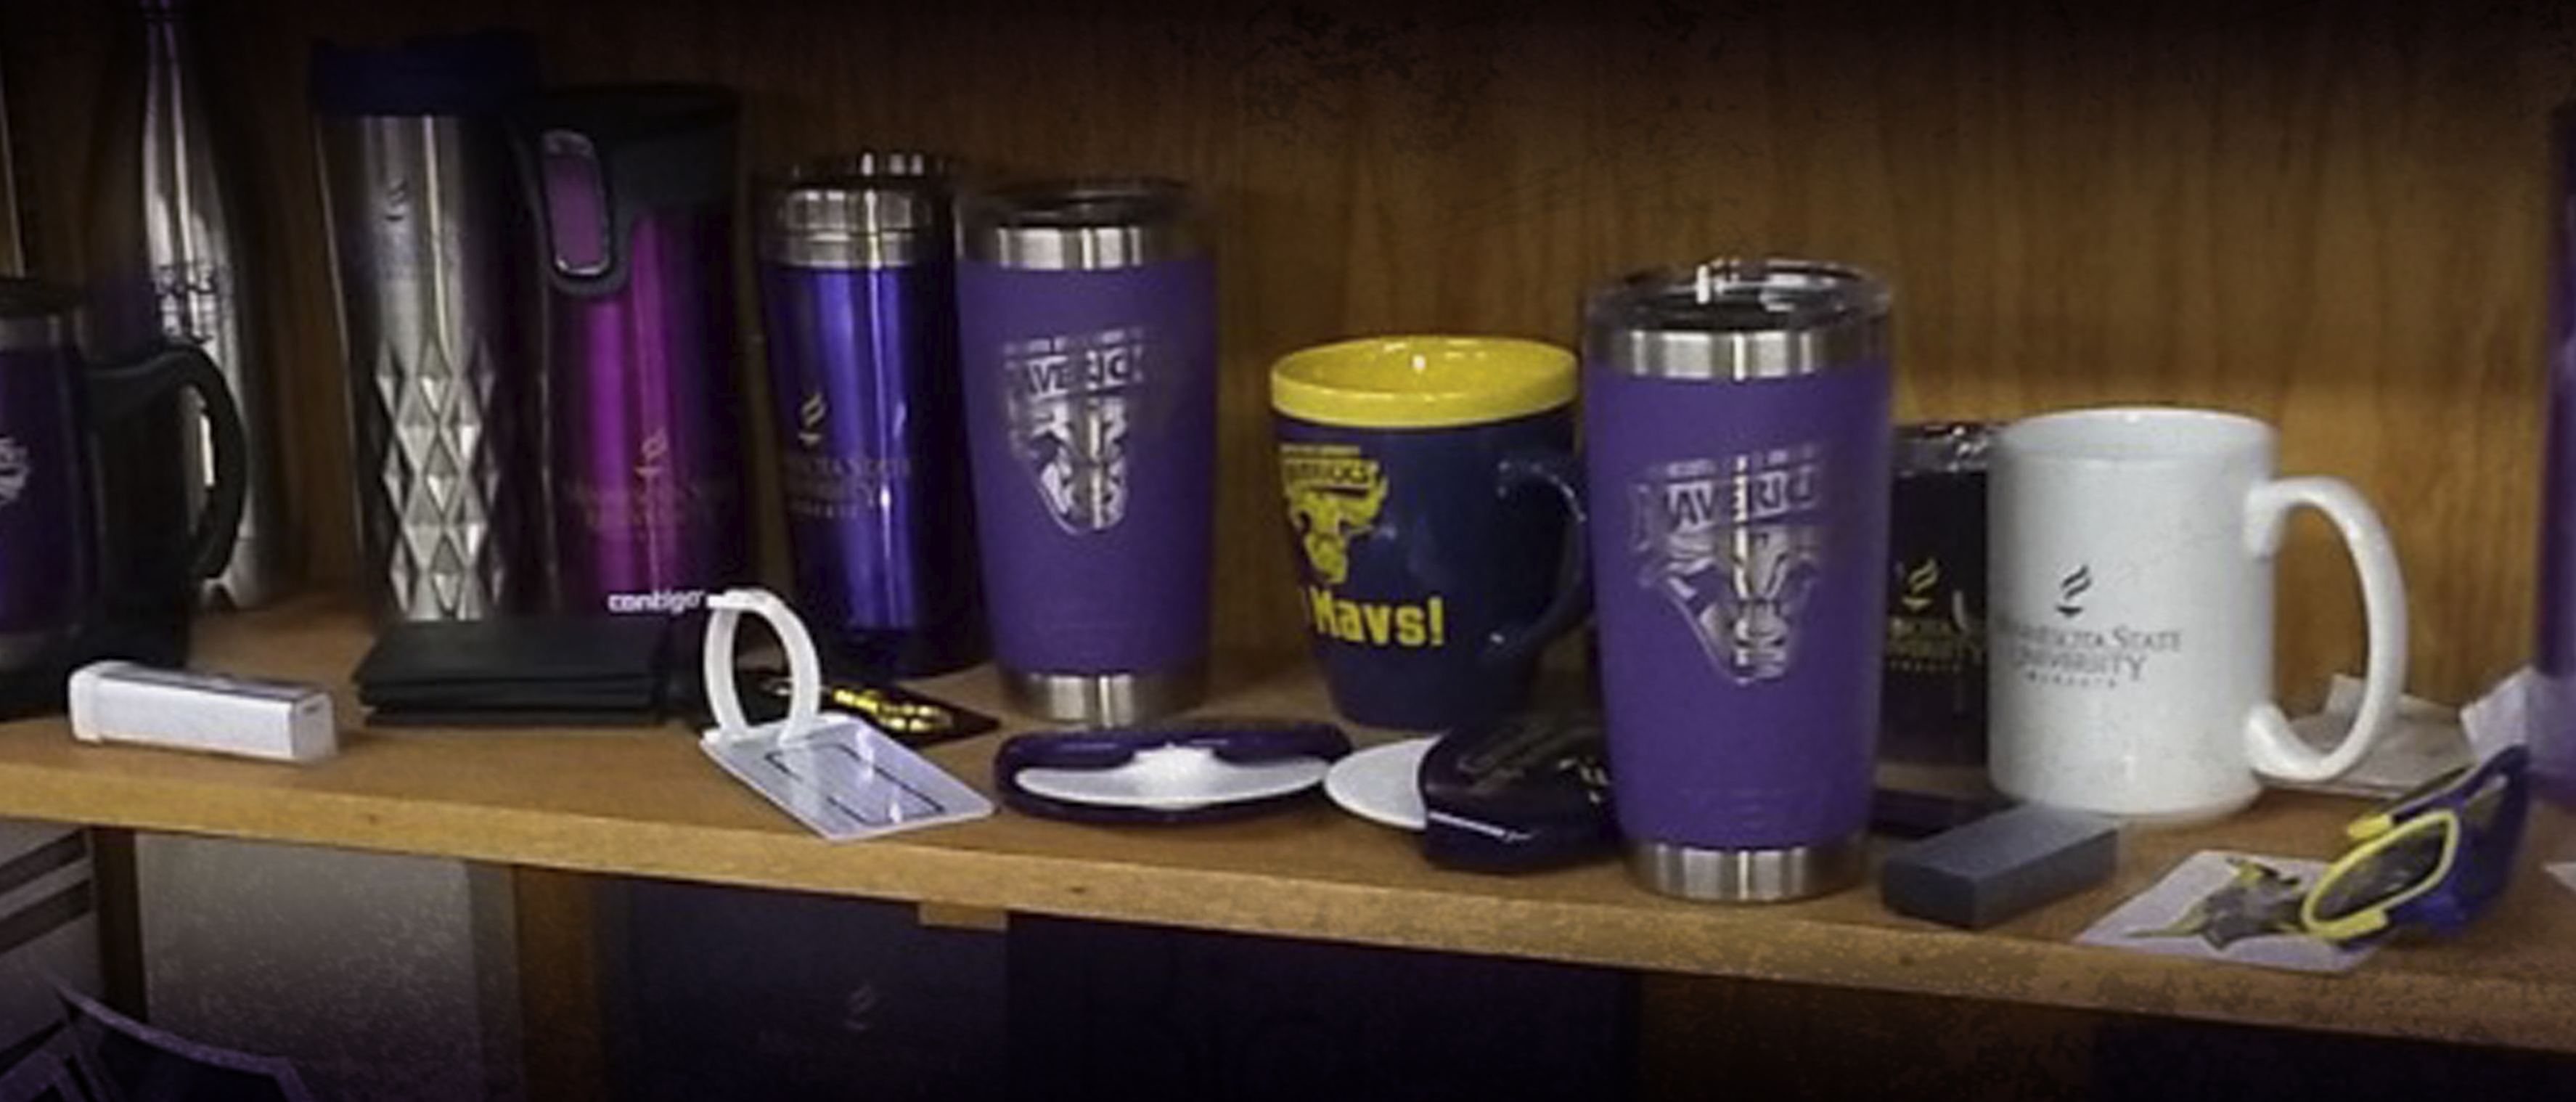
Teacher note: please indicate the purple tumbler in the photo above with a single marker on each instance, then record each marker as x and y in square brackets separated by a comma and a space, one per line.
[859, 300]
[1736, 415]
[1087, 313]
[2553, 709]
[634, 190]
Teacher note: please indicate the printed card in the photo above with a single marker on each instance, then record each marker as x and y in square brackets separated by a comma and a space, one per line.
[2426, 741]
[845, 779]
[2236, 908]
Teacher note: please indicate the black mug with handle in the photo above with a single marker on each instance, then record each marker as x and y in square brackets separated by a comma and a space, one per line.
[73, 589]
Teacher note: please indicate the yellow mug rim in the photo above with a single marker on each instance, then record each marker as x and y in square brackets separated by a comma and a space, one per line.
[1526, 377]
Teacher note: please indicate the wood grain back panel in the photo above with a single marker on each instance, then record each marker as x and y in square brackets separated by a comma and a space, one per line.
[2328, 215]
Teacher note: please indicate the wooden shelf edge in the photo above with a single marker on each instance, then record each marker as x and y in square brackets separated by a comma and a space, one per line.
[641, 803]
[1747, 943]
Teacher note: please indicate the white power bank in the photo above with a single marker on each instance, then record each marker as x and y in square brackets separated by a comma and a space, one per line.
[185, 710]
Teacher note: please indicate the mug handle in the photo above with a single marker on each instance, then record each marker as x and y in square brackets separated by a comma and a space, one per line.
[2270, 745]
[122, 390]
[1556, 471]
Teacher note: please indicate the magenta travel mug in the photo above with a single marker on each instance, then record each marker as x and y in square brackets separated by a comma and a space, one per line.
[634, 189]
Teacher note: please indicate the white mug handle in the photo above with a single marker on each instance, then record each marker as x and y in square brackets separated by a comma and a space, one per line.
[2270, 746]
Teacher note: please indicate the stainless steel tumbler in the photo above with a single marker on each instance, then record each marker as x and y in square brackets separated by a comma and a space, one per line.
[1087, 312]
[1736, 416]
[858, 293]
[429, 248]
[169, 243]
[13, 170]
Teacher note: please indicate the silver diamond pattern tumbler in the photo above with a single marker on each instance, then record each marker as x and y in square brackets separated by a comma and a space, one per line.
[170, 246]
[428, 249]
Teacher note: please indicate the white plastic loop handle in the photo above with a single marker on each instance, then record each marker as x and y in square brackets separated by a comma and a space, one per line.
[2270, 745]
[804, 668]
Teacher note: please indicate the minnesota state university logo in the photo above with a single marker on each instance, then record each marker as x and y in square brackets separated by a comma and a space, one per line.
[1736, 546]
[1919, 588]
[812, 416]
[1334, 494]
[1931, 630]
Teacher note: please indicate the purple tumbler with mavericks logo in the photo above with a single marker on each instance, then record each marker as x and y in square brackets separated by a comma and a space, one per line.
[634, 190]
[1736, 421]
[1087, 316]
[859, 299]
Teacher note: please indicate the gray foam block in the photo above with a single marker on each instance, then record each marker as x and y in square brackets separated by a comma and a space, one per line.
[2000, 866]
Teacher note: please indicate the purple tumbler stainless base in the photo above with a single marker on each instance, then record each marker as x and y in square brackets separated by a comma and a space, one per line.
[1108, 700]
[1748, 875]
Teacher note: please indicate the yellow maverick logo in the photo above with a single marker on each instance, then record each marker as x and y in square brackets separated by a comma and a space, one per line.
[1334, 494]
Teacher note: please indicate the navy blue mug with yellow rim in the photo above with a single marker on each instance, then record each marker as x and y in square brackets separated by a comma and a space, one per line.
[1435, 510]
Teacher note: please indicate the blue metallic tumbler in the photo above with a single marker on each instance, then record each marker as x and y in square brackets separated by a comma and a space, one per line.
[858, 296]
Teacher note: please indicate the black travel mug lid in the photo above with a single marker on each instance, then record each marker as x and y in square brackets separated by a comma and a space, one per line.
[597, 158]
[660, 145]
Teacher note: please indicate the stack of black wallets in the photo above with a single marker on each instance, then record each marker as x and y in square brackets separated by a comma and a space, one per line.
[606, 671]
[532, 671]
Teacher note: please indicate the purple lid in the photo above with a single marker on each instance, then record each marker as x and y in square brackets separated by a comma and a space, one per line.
[465, 74]
[1530, 791]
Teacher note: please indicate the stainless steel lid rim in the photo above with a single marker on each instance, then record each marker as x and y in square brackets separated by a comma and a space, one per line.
[1738, 320]
[872, 166]
[1085, 224]
[1944, 447]
[873, 209]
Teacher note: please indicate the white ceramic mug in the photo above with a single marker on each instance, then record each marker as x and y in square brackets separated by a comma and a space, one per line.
[2130, 583]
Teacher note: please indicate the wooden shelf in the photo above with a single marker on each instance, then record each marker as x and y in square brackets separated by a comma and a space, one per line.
[646, 803]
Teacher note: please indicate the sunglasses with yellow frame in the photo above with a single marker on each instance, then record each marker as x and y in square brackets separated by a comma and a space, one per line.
[2433, 859]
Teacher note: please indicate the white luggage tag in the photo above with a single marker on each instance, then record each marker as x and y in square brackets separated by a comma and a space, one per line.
[835, 773]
